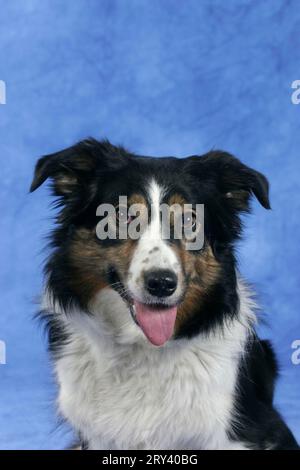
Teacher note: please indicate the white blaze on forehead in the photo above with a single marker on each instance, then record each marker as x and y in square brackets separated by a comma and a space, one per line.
[156, 192]
[152, 251]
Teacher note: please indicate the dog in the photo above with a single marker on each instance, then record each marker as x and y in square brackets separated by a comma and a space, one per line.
[154, 345]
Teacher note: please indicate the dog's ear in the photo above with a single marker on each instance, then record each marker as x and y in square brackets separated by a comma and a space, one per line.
[237, 182]
[73, 169]
[76, 174]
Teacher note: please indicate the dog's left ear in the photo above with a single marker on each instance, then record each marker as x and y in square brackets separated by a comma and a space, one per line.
[236, 181]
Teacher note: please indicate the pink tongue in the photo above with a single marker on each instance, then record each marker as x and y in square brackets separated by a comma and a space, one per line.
[156, 323]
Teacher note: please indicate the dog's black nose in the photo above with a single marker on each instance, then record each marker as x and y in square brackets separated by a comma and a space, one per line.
[161, 283]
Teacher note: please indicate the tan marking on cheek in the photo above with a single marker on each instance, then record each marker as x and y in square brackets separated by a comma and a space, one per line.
[90, 261]
[203, 270]
[120, 256]
[207, 268]
[85, 260]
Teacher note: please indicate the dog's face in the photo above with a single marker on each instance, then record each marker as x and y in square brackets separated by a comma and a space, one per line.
[169, 289]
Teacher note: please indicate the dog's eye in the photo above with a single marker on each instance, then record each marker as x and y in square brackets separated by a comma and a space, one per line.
[122, 215]
[189, 220]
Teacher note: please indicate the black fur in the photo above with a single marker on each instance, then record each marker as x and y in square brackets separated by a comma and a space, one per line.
[259, 424]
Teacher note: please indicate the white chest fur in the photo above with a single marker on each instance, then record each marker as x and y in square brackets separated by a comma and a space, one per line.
[136, 396]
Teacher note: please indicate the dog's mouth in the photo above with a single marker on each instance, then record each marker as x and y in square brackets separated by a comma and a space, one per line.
[156, 321]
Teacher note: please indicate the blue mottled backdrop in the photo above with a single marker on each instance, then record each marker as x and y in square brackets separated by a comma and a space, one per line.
[161, 77]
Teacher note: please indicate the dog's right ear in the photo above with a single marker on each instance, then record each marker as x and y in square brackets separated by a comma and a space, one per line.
[74, 168]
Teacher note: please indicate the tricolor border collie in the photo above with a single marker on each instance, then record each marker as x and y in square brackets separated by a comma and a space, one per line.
[154, 346]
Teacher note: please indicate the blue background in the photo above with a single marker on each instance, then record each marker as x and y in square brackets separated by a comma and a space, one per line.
[161, 77]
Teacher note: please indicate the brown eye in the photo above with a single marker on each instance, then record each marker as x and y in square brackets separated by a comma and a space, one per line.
[122, 215]
[189, 220]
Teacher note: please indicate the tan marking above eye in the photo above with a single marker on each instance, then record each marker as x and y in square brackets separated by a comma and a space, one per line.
[177, 199]
[137, 199]
[137, 207]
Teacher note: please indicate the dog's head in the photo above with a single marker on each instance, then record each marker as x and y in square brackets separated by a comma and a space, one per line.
[118, 234]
